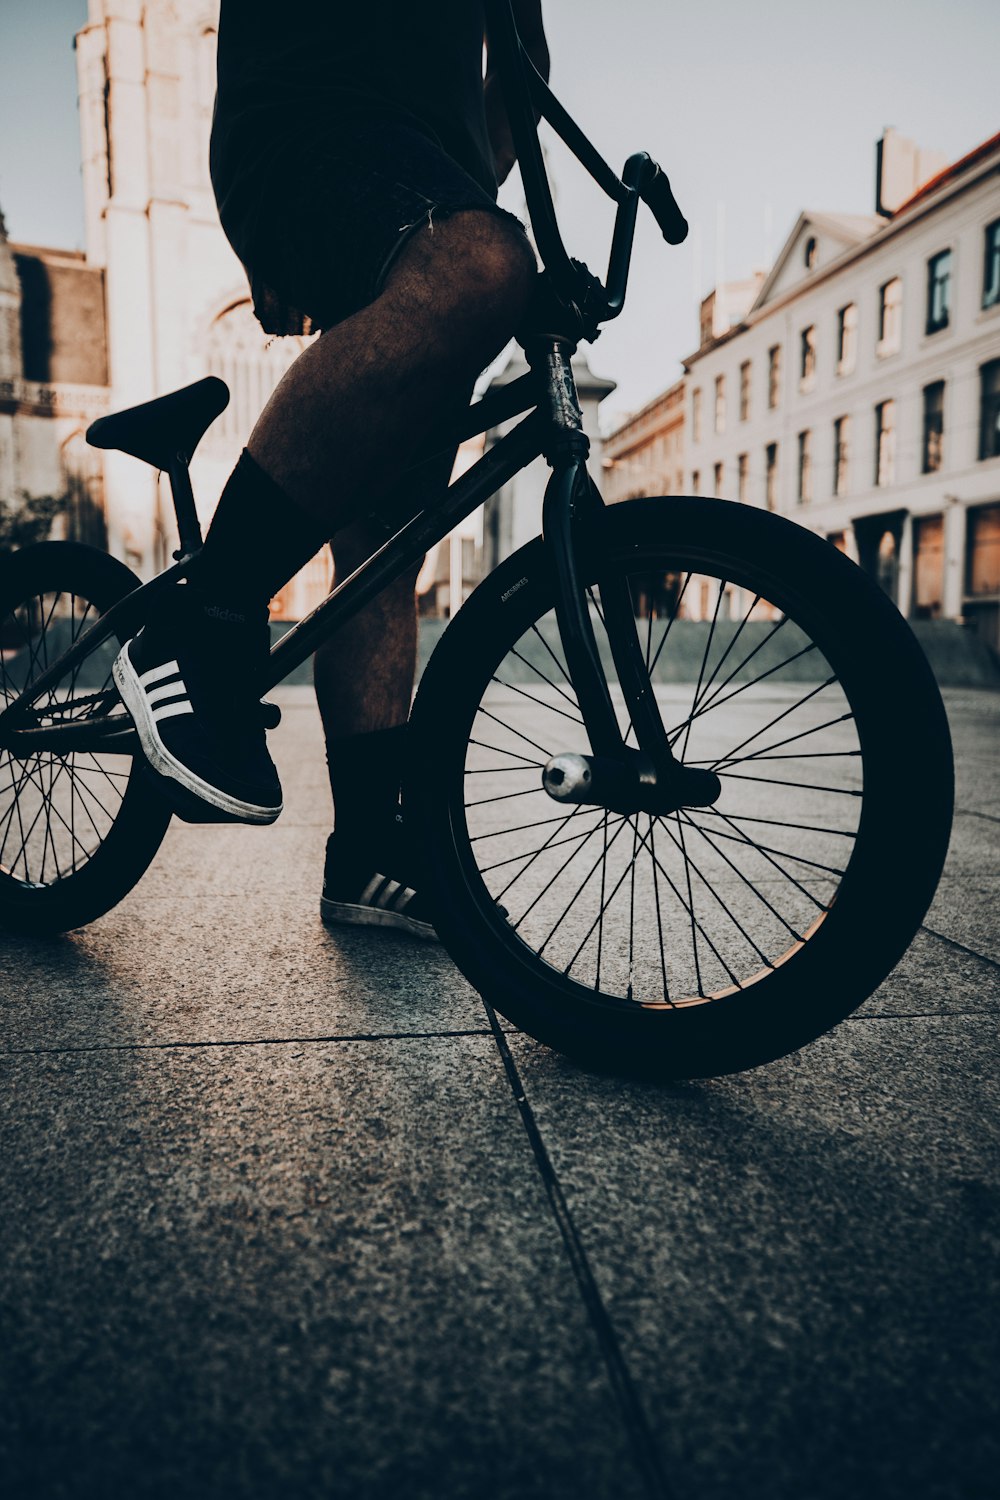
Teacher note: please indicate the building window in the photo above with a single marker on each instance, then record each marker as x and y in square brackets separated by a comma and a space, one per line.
[805, 467]
[989, 410]
[991, 265]
[938, 291]
[809, 255]
[890, 316]
[696, 415]
[743, 477]
[720, 403]
[933, 426]
[771, 476]
[773, 376]
[745, 390]
[928, 567]
[841, 454]
[847, 338]
[717, 479]
[695, 482]
[982, 575]
[807, 368]
[885, 443]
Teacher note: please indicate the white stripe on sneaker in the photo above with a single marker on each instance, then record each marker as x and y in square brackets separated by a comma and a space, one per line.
[171, 710]
[405, 898]
[157, 674]
[370, 889]
[165, 690]
[385, 895]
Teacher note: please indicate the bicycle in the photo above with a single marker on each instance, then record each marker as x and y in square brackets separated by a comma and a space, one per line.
[612, 863]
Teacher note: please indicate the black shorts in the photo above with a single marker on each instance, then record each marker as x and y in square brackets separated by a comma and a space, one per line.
[317, 218]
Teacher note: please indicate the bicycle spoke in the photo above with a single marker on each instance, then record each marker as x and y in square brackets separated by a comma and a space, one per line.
[659, 916]
[746, 880]
[746, 660]
[498, 770]
[725, 655]
[844, 833]
[571, 700]
[544, 891]
[631, 914]
[711, 834]
[510, 728]
[734, 760]
[716, 702]
[600, 860]
[690, 909]
[777, 719]
[529, 791]
[555, 844]
[548, 648]
[500, 751]
[691, 865]
[704, 662]
[601, 901]
[673, 616]
[549, 707]
[782, 853]
[804, 786]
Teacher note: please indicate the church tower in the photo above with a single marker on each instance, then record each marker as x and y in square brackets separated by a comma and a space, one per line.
[178, 304]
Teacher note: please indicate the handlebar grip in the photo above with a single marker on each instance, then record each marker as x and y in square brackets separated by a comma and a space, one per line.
[658, 195]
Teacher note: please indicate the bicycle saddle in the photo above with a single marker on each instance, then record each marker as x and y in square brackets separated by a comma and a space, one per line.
[160, 430]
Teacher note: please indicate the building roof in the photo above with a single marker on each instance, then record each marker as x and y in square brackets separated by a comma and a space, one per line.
[970, 159]
[858, 233]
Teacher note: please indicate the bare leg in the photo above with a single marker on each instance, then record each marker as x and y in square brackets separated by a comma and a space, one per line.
[352, 411]
[364, 673]
[345, 422]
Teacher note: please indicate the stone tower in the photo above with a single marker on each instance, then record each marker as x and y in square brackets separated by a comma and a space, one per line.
[177, 300]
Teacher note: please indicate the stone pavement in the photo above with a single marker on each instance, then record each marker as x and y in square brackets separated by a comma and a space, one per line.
[282, 1216]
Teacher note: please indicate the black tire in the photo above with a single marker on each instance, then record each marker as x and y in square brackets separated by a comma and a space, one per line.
[857, 742]
[76, 831]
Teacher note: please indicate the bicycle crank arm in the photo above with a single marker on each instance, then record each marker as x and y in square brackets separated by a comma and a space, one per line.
[629, 784]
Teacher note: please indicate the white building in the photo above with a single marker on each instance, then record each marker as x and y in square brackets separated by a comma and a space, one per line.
[860, 395]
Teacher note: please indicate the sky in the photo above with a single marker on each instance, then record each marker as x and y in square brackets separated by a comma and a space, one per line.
[756, 112]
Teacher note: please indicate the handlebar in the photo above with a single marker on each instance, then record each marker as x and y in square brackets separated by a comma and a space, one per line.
[526, 92]
[658, 195]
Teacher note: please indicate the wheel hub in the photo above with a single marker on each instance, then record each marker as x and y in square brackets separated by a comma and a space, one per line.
[630, 785]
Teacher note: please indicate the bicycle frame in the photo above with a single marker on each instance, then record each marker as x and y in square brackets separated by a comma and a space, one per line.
[573, 304]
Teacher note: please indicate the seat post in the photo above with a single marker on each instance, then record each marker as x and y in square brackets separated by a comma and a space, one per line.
[188, 525]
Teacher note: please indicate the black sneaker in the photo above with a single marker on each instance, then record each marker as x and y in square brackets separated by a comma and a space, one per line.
[357, 892]
[187, 680]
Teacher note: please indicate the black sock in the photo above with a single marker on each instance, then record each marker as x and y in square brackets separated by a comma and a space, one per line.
[365, 775]
[259, 539]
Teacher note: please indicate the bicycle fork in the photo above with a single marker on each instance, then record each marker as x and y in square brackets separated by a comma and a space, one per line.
[648, 778]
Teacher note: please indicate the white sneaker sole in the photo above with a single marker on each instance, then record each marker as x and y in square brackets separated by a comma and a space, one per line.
[346, 913]
[165, 764]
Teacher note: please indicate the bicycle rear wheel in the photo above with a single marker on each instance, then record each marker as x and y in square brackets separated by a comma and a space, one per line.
[716, 938]
[77, 830]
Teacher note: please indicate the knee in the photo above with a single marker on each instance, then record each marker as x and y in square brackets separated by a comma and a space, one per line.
[501, 266]
[473, 264]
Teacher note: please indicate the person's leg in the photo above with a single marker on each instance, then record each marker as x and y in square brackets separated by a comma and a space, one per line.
[352, 411]
[364, 681]
[364, 673]
[341, 427]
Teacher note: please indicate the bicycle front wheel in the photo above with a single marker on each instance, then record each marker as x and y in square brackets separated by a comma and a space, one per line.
[77, 830]
[715, 938]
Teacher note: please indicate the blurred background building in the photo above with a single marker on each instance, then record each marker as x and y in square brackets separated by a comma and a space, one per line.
[857, 390]
[853, 386]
